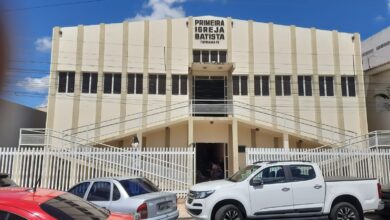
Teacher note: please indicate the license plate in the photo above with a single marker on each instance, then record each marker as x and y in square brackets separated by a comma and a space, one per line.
[164, 205]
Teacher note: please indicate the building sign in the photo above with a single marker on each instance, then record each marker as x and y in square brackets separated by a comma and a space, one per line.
[209, 31]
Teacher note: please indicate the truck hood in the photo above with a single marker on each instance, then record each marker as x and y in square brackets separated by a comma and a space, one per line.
[211, 185]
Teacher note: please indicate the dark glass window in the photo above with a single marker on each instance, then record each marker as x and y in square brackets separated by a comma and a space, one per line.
[100, 191]
[326, 85]
[222, 56]
[304, 86]
[196, 56]
[278, 85]
[161, 84]
[70, 82]
[236, 85]
[183, 84]
[152, 84]
[265, 85]
[287, 85]
[139, 83]
[130, 83]
[271, 175]
[214, 56]
[94, 82]
[244, 85]
[321, 81]
[80, 189]
[175, 84]
[10, 216]
[348, 86]
[85, 82]
[257, 85]
[107, 82]
[329, 86]
[302, 172]
[62, 82]
[69, 207]
[205, 56]
[117, 83]
[116, 195]
[139, 186]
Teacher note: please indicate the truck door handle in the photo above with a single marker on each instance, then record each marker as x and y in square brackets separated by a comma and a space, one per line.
[317, 187]
[285, 189]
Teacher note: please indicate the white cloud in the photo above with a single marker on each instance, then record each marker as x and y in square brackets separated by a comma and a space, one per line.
[38, 85]
[43, 44]
[43, 105]
[161, 9]
[379, 18]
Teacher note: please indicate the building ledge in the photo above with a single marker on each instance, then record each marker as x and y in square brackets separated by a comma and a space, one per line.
[212, 67]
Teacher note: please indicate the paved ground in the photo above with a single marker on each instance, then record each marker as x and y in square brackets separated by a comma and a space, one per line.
[184, 215]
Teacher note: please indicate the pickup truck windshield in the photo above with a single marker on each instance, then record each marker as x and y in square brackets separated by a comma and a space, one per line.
[243, 173]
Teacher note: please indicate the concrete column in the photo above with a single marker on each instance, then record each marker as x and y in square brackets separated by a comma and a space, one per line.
[251, 76]
[145, 84]
[272, 73]
[99, 94]
[190, 136]
[286, 143]
[234, 148]
[294, 80]
[125, 54]
[168, 70]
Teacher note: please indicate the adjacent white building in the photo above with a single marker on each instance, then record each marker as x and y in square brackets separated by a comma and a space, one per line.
[376, 62]
[219, 84]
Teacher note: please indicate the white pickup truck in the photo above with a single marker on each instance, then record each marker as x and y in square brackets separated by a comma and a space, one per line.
[288, 189]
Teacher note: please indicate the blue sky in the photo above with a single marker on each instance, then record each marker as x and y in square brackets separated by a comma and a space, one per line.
[31, 23]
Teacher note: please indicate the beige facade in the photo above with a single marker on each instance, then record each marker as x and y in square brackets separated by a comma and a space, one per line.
[277, 86]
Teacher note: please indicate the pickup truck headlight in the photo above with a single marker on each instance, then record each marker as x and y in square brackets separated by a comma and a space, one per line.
[202, 194]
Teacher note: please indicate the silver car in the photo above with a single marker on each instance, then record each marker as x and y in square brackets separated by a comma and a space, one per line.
[129, 195]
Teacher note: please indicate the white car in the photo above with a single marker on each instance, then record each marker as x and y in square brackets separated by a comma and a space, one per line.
[129, 195]
[289, 189]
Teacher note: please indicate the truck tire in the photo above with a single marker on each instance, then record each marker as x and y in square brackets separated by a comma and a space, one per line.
[229, 212]
[345, 211]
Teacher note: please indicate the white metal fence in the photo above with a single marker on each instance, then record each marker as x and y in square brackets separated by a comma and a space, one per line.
[172, 169]
[364, 163]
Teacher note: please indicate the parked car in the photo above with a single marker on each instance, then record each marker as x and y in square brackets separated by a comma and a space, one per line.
[386, 199]
[5, 181]
[18, 203]
[283, 190]
[128, 195]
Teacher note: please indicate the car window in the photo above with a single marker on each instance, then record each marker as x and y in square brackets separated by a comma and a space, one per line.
[139, 186]
[10, 216]
[116, 195]
[302, 172]
[70, 207]
[100, 191]
[242, 174]
[271, 175]
[80, 189]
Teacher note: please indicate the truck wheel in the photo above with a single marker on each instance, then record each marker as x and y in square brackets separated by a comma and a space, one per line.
[229, 212]
[344, 211]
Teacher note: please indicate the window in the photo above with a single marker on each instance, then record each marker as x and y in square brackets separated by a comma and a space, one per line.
[240, 85]
[112, 83]
[100, 191]
[271, 175]
[89, 84]
[68, 206]
[302, 172]
[10, 216]
[116, 195]
[262, 85]
[134, 83]
[157, 84]
[66, 82]
[179, 84]
[80, 189]
[139, 186]
[209, 56]
[304, 86]
[348, 86]
[326, 86]
[283, 85]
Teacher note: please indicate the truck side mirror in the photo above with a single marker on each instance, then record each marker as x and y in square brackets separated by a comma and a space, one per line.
[256, 182]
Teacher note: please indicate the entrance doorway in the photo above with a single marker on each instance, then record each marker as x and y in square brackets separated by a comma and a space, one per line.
[209, 94]
[210, 161]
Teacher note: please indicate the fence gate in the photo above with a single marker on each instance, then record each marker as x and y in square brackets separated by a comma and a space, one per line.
[172, 169]
[366, 163]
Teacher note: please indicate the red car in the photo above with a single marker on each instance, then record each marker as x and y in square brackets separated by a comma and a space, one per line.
[45, 204]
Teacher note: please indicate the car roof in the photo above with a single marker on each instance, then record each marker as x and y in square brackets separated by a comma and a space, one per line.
[270, 163]
[119, 178]
[26, 197]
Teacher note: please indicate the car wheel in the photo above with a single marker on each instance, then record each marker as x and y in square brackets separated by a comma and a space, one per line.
[229, 212]
[344, 211]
